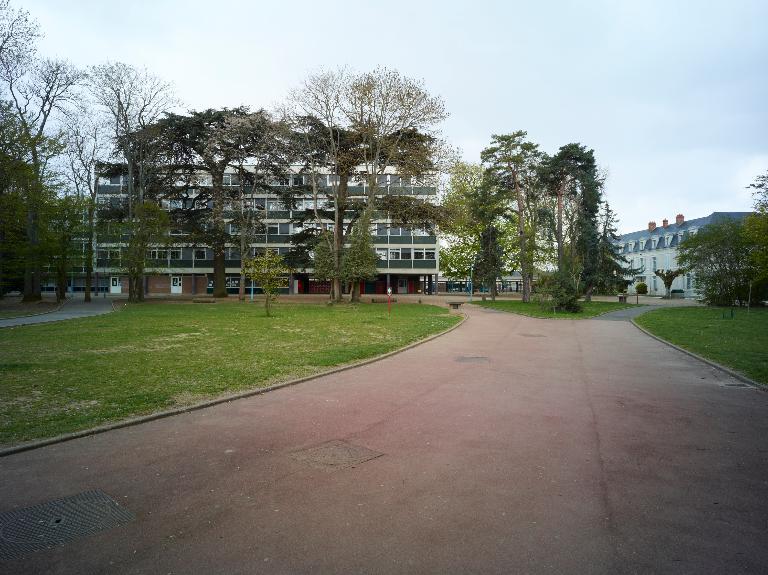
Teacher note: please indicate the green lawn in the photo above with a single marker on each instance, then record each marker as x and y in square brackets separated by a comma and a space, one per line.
[533, 309]
[740, 343]
[72, 375]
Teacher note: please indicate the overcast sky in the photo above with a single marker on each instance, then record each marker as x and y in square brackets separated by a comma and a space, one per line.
[672, 96]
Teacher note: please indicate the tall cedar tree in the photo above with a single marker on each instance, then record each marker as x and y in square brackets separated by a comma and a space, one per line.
[202, 145]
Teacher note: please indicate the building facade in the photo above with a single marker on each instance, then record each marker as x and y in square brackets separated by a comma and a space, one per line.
[655, 248]
[408, 258]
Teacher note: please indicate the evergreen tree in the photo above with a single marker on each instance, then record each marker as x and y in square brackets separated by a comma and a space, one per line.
[323, 264]
[611, 264]
[360, 259]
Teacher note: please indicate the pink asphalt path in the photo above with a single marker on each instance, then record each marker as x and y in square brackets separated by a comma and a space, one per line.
[574, 447]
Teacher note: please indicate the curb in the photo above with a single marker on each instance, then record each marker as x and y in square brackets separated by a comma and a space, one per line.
[709, 362]
[219, 400]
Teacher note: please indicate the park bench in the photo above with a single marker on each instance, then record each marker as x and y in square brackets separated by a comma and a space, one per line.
[382, 300]
[455, 304]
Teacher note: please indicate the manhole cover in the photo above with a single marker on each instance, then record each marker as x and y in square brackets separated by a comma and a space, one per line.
[336, 454]
[56, 522]
[472, 359]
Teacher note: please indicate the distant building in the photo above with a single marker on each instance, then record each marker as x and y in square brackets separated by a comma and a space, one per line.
[655, 248]
[408, 256]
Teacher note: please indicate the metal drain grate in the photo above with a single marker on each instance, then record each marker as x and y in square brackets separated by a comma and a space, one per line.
[336, 454]
[56, 522]
[472, 359]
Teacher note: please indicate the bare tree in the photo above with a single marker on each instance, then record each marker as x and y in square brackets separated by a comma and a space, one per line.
[383, 108]
[88, 145]
[133, 99]
[358, 125]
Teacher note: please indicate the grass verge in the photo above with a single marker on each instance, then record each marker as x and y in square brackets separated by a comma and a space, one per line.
[533, 309]
[739, 343]
[68, 376]
[11, 309]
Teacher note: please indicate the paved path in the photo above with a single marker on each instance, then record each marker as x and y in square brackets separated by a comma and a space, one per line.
[510, 445]
[72, 309]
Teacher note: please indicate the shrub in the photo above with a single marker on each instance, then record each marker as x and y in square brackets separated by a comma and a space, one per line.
[641, 288]
[557, 291]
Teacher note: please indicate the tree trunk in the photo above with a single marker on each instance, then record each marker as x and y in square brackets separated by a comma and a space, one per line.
[219, 262]
[338, 234]
[588, 293]
[355, 292]
[524, 267]
[219, 273]
[32, 267]
[267, 303]
[89, 254]
[559, 234]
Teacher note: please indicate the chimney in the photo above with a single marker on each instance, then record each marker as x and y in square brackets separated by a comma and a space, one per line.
[665, 223]
[680, 219]
[651, 226]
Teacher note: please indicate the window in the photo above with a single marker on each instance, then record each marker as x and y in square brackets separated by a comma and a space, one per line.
[405, 253]
[200, 254]
[642, 263]
[233, 228]
[429, 254]
[653, 259]
[281, 229]
[231, 180]
[418, 254]
[175, 254]
[274, 205]
[115, 180]
[298, 180]
[381, 253]
[653, 282]
[381, 229]
[394, 254]
[157, 254]
[394, 231]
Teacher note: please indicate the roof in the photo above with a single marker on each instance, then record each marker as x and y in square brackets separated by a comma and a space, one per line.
[673, 228]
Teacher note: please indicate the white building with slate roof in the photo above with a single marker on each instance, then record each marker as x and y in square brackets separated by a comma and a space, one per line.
[655, 248]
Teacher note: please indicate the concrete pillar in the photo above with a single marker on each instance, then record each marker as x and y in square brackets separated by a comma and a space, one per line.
[388, 284]
[194, 282]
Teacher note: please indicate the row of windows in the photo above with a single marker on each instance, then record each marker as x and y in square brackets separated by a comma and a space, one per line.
[642, 244]
[668, 260]
[405, 254]
[286, 181]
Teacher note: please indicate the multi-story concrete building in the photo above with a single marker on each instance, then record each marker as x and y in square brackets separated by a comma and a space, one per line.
[408, 258]
[655, 248]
